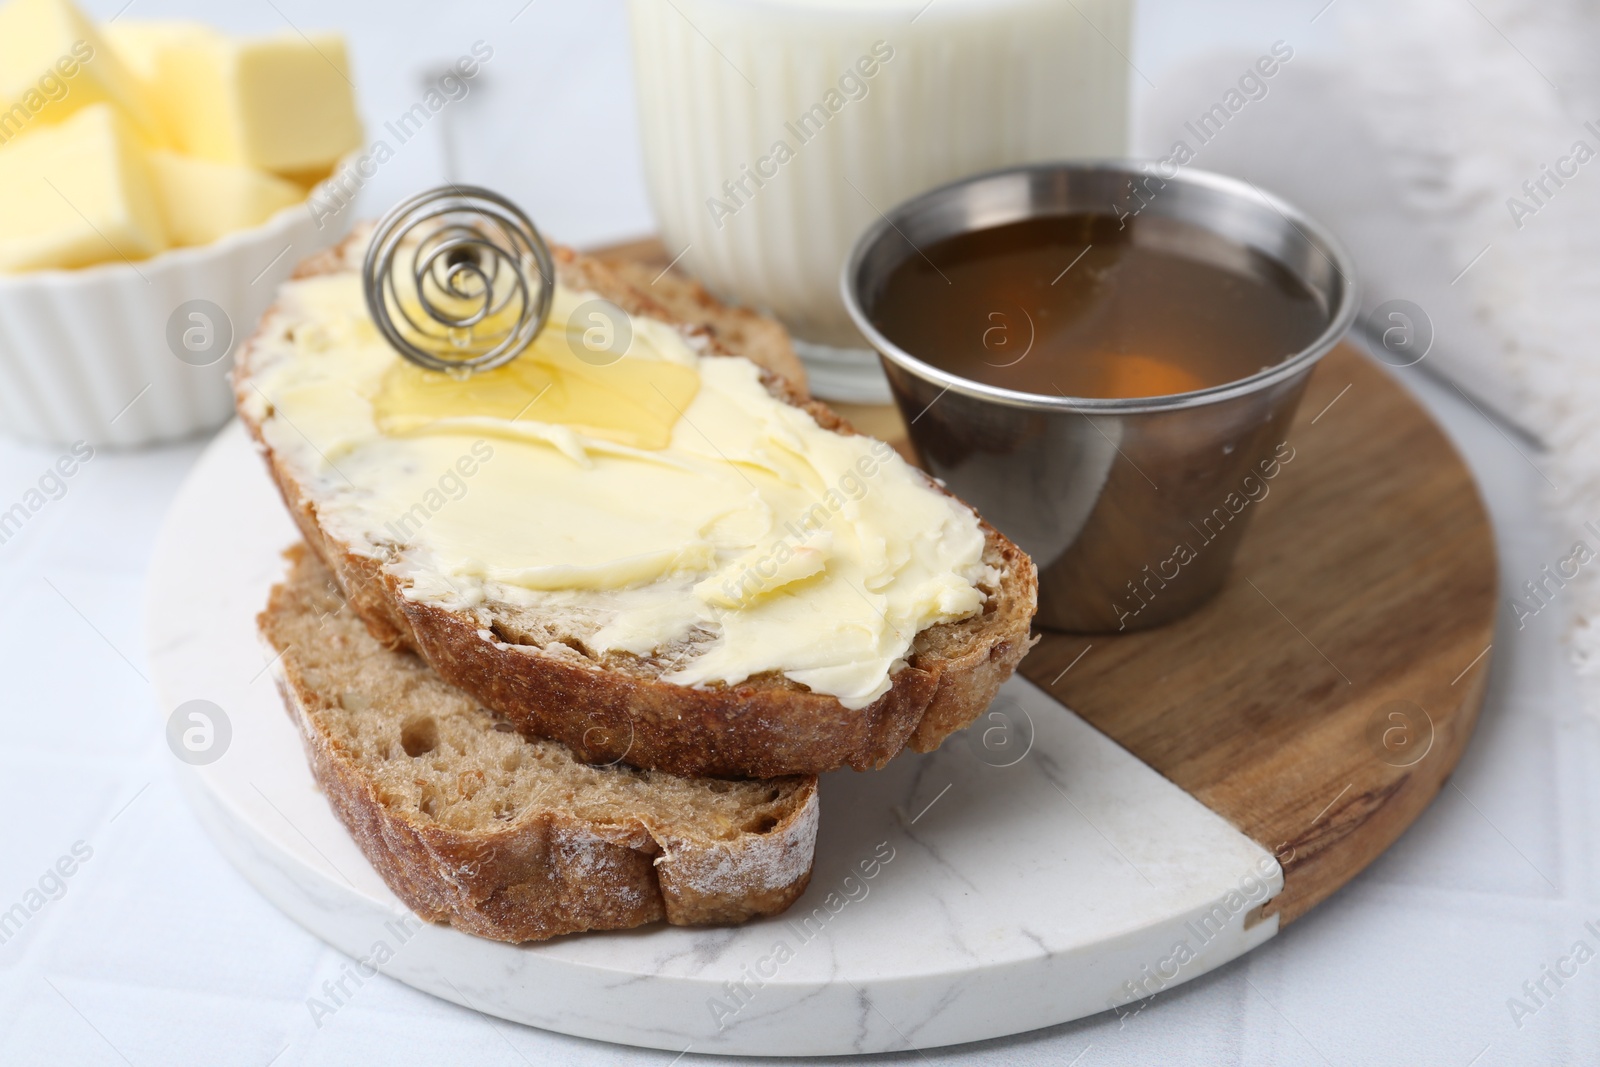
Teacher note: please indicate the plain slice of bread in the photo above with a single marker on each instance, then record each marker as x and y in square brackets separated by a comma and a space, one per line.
[474, 825]
[537, 670]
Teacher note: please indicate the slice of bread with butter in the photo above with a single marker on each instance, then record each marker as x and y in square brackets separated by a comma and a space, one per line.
[672, 558]
[505, 837]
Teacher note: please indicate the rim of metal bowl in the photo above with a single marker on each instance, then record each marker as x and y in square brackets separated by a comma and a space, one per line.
[1341, 318]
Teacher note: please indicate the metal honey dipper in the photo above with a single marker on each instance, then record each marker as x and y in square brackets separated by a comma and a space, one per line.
[458, 279]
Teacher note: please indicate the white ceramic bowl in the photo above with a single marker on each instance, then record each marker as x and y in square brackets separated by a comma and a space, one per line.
[128, 354]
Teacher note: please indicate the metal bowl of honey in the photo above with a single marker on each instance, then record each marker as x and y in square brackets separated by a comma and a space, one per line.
[1104, 360]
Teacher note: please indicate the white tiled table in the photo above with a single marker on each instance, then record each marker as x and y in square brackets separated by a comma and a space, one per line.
[158, 952]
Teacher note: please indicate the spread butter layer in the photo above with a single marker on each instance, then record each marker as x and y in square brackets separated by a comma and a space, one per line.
[665, 498]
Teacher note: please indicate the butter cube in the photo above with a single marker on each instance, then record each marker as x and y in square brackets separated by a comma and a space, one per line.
[139, 43]
[283, 104]
[54, 63]
[203, 200]
[142, 47]
[77, 193]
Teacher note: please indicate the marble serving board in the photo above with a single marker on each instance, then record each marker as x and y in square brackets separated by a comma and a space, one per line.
[1029, 872]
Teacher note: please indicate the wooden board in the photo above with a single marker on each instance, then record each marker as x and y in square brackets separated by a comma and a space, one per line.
[1322, 699]
[1320, 702]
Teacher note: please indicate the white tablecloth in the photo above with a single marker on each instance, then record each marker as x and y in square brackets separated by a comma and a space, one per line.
[154, 951]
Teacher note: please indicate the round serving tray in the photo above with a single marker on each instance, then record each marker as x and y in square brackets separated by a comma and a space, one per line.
[1215, 779]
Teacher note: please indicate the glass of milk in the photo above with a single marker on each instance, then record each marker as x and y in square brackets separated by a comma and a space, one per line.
[775, 131]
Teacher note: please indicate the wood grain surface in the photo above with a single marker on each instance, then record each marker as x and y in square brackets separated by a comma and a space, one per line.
[1320, 702]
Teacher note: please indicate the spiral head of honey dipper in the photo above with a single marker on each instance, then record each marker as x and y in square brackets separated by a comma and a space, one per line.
[458, 279]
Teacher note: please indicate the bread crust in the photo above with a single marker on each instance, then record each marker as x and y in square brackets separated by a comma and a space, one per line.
[547, 872]
[736, 329]
[765, 727]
